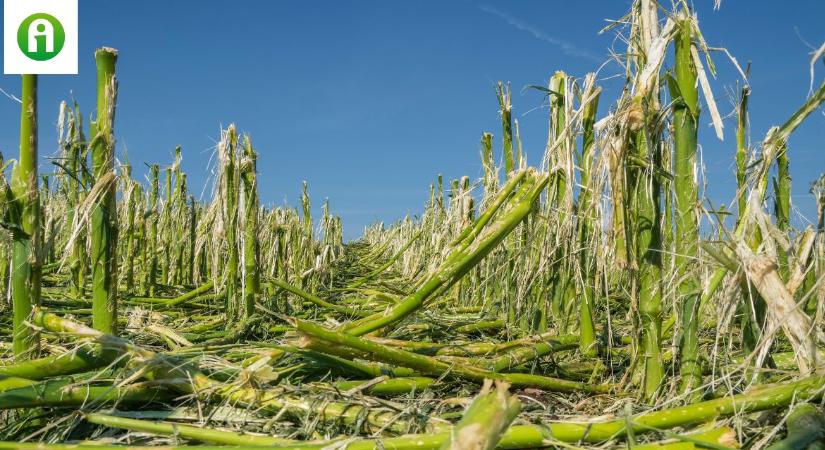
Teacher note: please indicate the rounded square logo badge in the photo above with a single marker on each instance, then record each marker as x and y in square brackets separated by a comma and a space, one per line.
[40, 37]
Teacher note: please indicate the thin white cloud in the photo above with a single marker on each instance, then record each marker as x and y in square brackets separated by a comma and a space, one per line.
[20, 101]
[566, 47]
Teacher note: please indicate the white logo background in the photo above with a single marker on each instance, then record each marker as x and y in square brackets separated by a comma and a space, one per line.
[14, 61]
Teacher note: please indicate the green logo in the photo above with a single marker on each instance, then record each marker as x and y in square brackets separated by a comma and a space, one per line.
[41, 37]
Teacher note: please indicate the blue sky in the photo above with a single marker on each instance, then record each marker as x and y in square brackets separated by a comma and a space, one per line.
[369, 100]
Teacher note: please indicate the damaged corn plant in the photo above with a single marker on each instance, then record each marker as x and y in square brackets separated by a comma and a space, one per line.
[597, 300]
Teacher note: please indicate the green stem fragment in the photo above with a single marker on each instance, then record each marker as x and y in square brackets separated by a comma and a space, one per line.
[186, 431]
[68, 393]
[485, 421]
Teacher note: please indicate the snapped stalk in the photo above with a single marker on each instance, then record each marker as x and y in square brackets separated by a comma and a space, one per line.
[686, 238]
[104, 211]
[25, 208]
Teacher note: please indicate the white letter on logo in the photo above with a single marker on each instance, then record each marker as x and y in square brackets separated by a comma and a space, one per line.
[41, 27]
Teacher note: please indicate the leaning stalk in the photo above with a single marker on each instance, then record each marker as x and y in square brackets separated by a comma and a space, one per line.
[469, 250]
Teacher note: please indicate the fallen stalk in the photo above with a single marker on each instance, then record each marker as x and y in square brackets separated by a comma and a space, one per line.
[186, 431]
[317, 300]
[485, 421]
[467, 254]
[154, 366]
[325, 340]
[534, 436]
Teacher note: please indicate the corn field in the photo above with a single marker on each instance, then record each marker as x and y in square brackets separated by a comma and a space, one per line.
[597, 300]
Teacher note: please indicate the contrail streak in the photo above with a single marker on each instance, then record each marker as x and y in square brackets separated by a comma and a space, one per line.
[566, 47]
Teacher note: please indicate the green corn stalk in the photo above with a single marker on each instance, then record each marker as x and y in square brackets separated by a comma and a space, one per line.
[619, 202]
[251, 251]
[130, 188]
[521, 160]
[467, 204]
[643, 227]
[389, 387]
[526, 353]
[782, 191]
[186, 431]
[587, 226]
[166, 229]
[306, 210]
[455, 192]
[720, 438]
[140, 237]
[5, 254]
[25, 206]
[43, 203]
[104, 212]
[204, 269]
[439, 198]
[648, 249]
[67, 393]
[180, 231]
[150, 252]
[79, 360]
[77, 186]
[559, 157]
[505, 110]
[69, 183]
[179, 205]
[489, 165]
[234, 302]
[11, 383]
[191, 276]
[815, 271]
[560, 193]
[782, 203]
[686, 239]
[47, 225]
[742, 151]
[488, 348]
[663, 158]
[306, 255]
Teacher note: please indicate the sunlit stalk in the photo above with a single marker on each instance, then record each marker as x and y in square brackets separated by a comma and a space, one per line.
[686, 239]
[25, 266]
